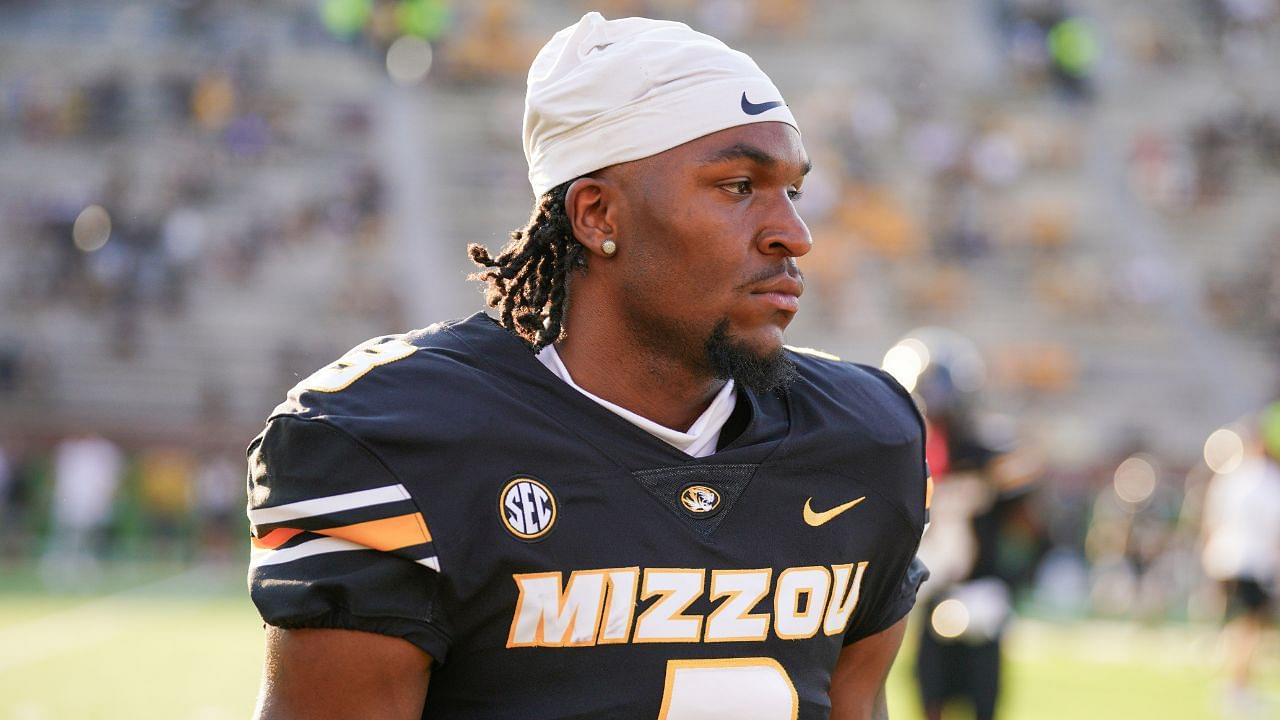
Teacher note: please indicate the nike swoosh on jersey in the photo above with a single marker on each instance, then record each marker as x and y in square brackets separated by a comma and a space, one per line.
[751, 108]
[814, 519]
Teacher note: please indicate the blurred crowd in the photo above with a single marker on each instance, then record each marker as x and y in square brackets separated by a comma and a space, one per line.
[998, 191]
[84, 499]
[928, 190]
[129, 233]
[935, 191]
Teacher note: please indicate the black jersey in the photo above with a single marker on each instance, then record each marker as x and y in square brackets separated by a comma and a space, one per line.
[559, 562]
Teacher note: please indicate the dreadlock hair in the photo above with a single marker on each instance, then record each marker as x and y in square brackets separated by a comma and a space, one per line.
[528, 281]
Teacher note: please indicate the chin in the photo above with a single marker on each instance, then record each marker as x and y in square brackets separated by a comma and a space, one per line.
[754, 359]
[763, 341]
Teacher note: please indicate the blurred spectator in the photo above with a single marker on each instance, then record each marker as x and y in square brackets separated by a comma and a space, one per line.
[1158, 172]
[1210, 143]
[492, 46]
[220, 507]
[879, 220]
[1133, 541]
[20, 502]
[1238, 27]
[165, 498]
[86, 477]
[1046, 45]
[9, 505]
[10, 365]
[106, 106]
[1241, 527]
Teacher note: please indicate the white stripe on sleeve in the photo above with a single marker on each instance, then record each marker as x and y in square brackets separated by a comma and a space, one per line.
[260, 557]
[325, 505]
[263, 556]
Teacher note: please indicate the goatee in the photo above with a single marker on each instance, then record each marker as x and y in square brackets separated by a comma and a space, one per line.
[730, 358]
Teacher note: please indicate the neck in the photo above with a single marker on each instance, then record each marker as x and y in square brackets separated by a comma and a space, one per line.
[611, 363]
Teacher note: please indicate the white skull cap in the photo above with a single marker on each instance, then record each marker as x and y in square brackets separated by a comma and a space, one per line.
[603, 92]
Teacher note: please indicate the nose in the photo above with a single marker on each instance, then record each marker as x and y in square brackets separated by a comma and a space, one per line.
[783, 232]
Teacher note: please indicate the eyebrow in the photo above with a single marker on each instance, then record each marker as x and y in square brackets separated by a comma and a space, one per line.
[743, 151]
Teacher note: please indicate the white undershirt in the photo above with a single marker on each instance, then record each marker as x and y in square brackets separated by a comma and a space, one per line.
[701, 438]
[1242, 522]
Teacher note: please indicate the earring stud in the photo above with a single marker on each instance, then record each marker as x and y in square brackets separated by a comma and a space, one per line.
[608, 247]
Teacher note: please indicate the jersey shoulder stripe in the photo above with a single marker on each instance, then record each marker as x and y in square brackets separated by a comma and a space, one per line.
[395, 533]
[260, 557]
[328, 506]
[294, 512]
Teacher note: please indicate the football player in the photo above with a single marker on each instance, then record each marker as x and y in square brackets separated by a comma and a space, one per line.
[623, 497]
[1241, 532]
[983, 492]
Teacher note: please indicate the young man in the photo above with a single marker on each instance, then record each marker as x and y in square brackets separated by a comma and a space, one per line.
[984, 491]
[1241, 531]
[625, 498]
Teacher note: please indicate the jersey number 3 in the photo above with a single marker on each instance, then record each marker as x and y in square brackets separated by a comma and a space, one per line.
[358, 361]
[756, 688]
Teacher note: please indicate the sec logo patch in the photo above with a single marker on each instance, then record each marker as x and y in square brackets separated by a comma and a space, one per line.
[527, 507]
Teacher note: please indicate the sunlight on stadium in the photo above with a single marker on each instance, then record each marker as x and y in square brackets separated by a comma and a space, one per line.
[1043, 236]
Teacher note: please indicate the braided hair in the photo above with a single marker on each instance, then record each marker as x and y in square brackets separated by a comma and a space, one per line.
[528, 281]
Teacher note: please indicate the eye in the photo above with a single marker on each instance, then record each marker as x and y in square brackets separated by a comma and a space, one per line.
[738, 187]
[795, 193]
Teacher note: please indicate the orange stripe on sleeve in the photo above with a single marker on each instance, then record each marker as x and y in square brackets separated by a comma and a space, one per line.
[387, 534]
[928, 492]
[274, 539]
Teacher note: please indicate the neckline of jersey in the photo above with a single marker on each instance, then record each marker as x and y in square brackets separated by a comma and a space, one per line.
[507, 357]
[698, 441]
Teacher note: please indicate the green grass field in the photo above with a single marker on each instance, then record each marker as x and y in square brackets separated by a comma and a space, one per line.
[187, 646]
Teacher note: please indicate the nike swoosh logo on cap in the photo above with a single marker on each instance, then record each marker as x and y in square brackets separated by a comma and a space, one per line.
[814, 519]
[751, 108]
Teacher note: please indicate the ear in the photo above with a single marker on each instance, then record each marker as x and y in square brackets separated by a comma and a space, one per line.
[592, 205]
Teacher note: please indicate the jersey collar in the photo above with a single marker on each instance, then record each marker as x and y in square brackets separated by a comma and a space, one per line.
[504, 356]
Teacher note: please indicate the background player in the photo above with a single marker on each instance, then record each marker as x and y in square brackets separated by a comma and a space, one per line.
[1241, 530]
[980, 494]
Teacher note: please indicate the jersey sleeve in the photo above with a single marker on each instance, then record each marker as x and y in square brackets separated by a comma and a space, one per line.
[337, 540]
[892, 601]
[891, 594]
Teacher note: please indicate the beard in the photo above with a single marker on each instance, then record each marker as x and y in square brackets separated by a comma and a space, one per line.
[730, 358]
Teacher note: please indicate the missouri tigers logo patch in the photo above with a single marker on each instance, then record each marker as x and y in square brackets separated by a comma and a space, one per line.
[699, 499]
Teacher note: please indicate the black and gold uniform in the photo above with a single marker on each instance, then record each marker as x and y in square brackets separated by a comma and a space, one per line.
[558, 562]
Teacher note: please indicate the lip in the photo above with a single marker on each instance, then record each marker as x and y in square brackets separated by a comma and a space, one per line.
[782, 291]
